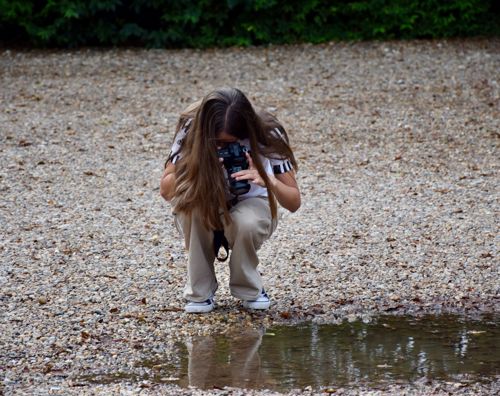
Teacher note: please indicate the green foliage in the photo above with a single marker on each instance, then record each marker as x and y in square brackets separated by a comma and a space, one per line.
[207, 23]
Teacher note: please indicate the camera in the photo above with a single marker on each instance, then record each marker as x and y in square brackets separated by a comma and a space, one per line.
[235, 160]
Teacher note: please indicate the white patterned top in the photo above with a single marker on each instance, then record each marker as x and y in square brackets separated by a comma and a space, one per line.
[271, 165]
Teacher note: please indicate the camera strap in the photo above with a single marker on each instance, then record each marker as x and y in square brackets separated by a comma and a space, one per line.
[220, 241]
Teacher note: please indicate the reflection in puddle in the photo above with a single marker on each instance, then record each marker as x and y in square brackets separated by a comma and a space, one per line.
[223, 361]
[390, 349]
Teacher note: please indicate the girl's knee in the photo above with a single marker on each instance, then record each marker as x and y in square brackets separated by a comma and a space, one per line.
[252, 226]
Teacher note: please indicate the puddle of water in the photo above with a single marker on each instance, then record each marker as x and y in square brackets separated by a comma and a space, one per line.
[390, 349]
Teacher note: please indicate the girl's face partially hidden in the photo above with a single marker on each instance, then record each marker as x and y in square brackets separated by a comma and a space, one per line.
[224, 138]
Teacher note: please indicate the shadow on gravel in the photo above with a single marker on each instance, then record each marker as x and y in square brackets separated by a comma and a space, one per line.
[388, 350]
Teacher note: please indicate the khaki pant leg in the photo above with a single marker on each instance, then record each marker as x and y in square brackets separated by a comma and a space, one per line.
[251, 226]
[201, 282]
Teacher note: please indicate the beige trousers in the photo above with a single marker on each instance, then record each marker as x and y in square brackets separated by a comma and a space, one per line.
[251, 225]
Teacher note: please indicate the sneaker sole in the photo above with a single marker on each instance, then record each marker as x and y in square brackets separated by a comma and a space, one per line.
[205, 309]
[257, 305]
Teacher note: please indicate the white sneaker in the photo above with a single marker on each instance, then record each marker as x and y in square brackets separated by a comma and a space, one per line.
[200, 307]
[261, 302]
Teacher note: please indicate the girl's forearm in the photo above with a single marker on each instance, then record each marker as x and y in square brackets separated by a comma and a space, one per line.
[167, 186]
[287, 196]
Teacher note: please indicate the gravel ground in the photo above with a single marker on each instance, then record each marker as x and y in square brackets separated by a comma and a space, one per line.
[398, 150]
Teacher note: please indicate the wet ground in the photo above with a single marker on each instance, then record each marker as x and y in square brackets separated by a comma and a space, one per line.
[388, 350]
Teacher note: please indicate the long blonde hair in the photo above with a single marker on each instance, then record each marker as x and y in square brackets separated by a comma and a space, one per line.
[200, 182]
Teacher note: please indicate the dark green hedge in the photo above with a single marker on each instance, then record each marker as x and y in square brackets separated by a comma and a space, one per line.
[205, 23]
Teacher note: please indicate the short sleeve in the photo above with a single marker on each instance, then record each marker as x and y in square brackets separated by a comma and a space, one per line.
[175, 152]
[280, 166]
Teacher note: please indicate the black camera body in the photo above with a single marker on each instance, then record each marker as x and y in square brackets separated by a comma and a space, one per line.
[235, 160]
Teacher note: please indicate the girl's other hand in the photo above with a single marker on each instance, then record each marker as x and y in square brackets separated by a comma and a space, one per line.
[251, 174]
